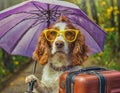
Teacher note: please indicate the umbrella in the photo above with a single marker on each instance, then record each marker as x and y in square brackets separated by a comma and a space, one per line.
[21, 25]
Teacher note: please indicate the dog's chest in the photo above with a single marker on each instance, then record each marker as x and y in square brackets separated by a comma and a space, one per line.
[50, 77]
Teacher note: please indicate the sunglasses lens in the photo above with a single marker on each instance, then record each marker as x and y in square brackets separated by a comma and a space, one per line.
[51, 35]
[70, 35]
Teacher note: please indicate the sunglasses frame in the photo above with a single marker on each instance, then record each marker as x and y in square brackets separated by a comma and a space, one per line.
[59, 32]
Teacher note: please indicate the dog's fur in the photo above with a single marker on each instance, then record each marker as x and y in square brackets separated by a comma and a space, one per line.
[46, 52]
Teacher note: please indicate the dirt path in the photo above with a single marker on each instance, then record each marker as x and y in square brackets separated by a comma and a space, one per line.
[17, 85]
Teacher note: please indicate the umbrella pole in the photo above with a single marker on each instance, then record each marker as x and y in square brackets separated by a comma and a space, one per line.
[34, 69]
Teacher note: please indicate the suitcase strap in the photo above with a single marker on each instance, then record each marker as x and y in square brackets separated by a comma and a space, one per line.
[71, 76]
[102, 81]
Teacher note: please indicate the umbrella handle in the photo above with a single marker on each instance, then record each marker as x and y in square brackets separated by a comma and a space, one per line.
[31, 84]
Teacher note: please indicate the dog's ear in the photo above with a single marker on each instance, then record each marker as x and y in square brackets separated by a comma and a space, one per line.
[80, 50]
[41, 52]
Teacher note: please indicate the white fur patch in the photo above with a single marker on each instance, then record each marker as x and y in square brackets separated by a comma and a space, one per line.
[61, 26]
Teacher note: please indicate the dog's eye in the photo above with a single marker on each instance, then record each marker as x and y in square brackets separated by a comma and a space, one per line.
[68, 33]
[53, 33]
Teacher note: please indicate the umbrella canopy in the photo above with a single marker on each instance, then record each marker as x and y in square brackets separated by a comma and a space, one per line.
[21, 25]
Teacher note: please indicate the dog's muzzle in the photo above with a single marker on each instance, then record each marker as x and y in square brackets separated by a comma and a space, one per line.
[59, 44]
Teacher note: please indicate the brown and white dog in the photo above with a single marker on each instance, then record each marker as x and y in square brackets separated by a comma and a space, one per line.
[58, 54]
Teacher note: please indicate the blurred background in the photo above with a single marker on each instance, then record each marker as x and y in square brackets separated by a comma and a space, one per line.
[105, 13]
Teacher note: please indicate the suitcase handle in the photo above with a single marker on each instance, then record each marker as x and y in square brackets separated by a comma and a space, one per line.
[92, 68]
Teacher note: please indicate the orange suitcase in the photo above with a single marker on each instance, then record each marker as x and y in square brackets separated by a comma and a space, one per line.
[90, 80]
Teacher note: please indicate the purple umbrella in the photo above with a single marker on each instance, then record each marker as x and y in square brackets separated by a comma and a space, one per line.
[21, 25]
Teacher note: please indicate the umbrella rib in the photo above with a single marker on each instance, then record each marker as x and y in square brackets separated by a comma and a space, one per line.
[22, 36]
[68, 12]
[30, 13]
[38, 7]
[38, 23]
[55, 12]
[32, 17]
[60, 12]
[53, 18]
[41, 11]
[5, 17]
[55, 7]
[13, 14]
[65, 10]
[32, 37]
[44, 12]
[12, 27]
[17, 13]
[38, 14]
[90, 35]
[31, 40]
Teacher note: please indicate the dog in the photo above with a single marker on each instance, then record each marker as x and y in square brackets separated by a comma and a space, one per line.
[60, 48]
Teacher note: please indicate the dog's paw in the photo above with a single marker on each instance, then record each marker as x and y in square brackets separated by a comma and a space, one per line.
[31, 78]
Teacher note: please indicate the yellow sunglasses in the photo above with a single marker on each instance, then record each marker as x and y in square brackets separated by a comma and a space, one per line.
[70, 35]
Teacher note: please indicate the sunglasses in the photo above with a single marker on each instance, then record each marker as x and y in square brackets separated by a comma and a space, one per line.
[70, 35]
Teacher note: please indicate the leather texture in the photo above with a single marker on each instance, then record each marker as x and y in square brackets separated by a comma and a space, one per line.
[89, 83]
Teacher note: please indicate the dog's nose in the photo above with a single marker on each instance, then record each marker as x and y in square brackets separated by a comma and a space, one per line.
[59, 44]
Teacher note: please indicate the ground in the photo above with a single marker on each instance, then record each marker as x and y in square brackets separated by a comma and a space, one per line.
[17, 85]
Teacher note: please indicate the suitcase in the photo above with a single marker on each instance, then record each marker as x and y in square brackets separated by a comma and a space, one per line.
[90, 80]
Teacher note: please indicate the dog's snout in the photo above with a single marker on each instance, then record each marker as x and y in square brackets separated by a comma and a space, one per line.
[59, 44]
